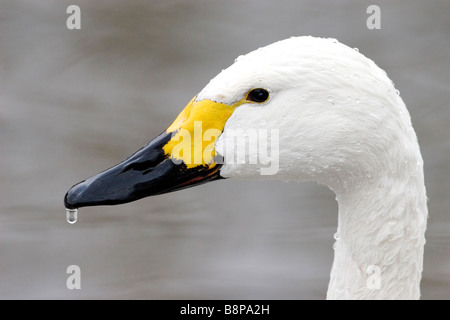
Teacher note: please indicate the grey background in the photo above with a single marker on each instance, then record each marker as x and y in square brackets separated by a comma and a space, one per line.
[73, 103]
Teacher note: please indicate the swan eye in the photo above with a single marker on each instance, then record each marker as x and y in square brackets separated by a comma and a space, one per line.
[258, 95]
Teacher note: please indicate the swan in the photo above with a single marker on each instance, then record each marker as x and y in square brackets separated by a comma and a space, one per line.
[332, 116]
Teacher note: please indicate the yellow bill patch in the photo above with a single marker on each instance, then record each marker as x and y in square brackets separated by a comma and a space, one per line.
[196, 130]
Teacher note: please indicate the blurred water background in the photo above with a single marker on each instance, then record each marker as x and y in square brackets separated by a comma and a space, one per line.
[75, 102]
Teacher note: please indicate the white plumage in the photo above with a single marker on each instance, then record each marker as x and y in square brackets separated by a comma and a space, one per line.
[341, 123]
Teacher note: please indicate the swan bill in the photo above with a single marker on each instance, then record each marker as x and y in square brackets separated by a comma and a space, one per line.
[148, 172]
[183, 156]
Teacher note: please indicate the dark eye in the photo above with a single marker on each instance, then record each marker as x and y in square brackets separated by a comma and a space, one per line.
[258, 95]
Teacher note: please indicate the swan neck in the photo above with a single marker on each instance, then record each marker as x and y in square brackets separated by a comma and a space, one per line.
[380, 238]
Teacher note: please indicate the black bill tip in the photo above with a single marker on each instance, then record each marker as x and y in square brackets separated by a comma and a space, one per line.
[148, 172]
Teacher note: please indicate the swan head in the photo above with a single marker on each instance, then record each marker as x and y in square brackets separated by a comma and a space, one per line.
[303, 109]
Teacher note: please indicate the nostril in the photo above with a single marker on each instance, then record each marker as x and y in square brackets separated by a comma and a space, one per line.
[127, 167]
[138, 166]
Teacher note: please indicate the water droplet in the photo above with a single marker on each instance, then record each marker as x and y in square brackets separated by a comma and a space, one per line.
[334, 246]
[397, 92]
[71, 215]
[336, 236]
[356, 49]
[330, 99]
[392, 222]
[357, 101]
[303, 98]
[238, 58]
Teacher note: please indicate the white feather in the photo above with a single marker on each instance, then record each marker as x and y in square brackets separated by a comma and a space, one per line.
[341, 123]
